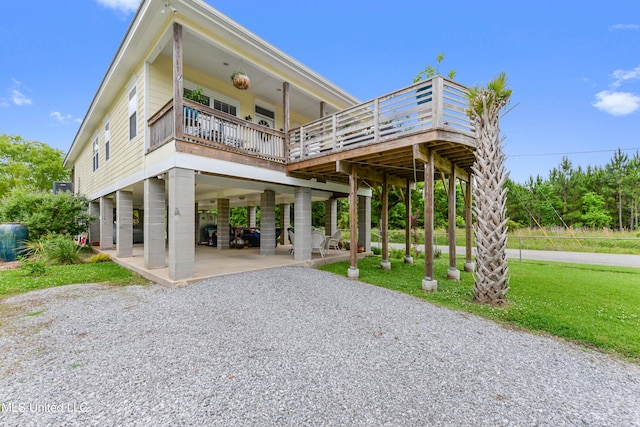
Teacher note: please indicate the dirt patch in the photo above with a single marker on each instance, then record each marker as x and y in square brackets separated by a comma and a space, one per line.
[9, 265]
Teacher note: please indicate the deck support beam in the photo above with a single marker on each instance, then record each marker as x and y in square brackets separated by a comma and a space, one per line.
[420, 153]
[429, 283]
[408, 259]
[469, 265]
[384, 227]
[367, 173]
[452, 273]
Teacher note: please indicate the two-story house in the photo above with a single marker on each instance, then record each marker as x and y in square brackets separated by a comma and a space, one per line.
[171, 136]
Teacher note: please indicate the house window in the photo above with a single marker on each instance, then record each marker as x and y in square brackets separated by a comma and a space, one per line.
[133, 113]
[96, 151]
[202, 99]
[224, 107]
[107, 142]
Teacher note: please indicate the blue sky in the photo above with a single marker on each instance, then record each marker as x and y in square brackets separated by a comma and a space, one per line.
[574, 66]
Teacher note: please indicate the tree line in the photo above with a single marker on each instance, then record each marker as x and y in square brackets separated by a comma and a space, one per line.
[595, 197]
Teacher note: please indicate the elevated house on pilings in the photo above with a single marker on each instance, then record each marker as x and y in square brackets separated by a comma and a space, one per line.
[168, 139]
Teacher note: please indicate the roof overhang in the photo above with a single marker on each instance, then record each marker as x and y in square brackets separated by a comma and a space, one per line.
[150, 33]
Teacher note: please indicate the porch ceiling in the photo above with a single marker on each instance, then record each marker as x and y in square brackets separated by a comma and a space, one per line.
[399, 159]
[240, 192]
[210, 58]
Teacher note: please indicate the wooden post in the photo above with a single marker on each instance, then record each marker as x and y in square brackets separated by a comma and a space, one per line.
[384, 226]
[469, 266]
[453, 273]
[408, 259]
[428, 283]
[285, 120]
[178, 111]
[353, 223]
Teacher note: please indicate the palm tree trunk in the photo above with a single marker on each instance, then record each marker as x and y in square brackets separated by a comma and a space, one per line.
[491, 284]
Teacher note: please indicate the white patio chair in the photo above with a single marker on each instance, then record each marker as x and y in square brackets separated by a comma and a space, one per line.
[334, 241]
[317, 242]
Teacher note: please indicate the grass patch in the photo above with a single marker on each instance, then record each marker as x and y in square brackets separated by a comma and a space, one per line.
[602, 241]
[596, 306]
[14, 282]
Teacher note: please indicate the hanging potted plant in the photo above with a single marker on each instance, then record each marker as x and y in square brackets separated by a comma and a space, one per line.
[241, 80]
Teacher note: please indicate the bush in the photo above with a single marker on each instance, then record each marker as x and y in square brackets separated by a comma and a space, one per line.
[61, 249]
[45, 213]
[376, 250]
[33, 268]
[99, 258]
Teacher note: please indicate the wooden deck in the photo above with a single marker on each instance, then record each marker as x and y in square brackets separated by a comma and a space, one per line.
[389, 136]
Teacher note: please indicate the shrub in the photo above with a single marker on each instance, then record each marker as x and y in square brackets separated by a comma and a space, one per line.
[33, 268]
[46, 213]
[376, 250]
[61, 249]
[99, 258]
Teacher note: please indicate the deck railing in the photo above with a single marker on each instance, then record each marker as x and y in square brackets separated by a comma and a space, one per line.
[205, 126]
[437, 103]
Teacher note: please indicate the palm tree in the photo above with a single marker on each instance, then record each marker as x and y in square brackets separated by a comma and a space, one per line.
[490, 194]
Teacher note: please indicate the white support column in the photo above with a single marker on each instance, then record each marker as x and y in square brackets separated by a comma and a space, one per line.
[353, 272]
[106, 223]
[364, 222]
[224, 215]
[155, 226]
[251, 216]
[331, 216]
[302, 222]
[94, 227]
[181, 217]
[285, 222]
[268, 223]
[124, 221]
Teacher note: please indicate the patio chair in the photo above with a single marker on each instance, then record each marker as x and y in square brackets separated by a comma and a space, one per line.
[334, 241]
[292, 240]
[317, 242]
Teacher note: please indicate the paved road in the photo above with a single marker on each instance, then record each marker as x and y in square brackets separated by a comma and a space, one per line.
[621, 260]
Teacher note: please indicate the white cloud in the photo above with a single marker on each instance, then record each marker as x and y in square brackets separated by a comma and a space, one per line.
[622, 76]
[17, 96]
[617, 103]
[62, 118]
[125, 6]
[618, 27]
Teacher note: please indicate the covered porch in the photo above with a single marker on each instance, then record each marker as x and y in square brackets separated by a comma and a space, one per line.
[210, 262]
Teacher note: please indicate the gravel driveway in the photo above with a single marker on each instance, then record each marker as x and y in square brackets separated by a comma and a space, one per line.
[290, 346]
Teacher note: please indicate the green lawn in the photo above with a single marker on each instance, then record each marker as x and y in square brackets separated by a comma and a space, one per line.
[602, 241]
[596, 306]
[17, 281]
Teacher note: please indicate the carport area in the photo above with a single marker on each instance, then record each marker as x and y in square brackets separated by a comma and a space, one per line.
[213, 262]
